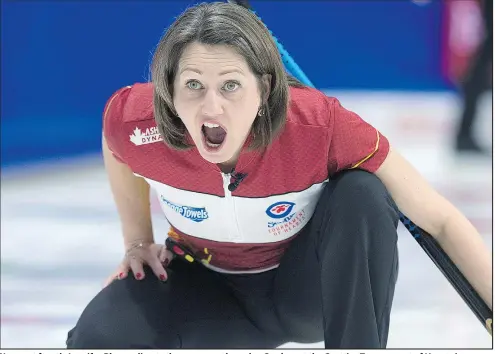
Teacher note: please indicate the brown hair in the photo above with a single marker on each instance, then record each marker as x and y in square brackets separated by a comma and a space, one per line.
[220, 23]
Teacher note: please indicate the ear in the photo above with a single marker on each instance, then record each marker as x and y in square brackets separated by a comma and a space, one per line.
[266, 85]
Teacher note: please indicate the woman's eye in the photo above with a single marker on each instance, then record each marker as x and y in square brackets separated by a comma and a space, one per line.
[194, 85]
[231, 86]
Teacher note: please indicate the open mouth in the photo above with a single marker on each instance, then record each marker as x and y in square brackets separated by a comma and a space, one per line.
[213, 136]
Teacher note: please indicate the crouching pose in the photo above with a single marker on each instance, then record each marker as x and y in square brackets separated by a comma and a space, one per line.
[286, 202]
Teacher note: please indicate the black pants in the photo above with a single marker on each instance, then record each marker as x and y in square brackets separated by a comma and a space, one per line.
[477, 78]
[335, 283]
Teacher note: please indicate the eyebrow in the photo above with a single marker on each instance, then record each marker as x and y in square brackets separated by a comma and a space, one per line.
[191, 69]
[224, 72]
[231, 71]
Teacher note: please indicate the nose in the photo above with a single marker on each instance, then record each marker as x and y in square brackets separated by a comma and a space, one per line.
[212, 104]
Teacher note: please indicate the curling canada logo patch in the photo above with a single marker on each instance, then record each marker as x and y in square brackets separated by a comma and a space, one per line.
[191, 213]
[283, 219]
[280, 210]
[150, 135]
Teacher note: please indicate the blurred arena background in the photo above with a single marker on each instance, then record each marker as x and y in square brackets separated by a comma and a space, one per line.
[397, 64]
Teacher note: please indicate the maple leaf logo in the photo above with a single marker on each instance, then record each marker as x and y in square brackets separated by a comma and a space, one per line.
[136, 137]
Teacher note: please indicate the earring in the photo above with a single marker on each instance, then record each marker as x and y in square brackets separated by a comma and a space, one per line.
[261, 112]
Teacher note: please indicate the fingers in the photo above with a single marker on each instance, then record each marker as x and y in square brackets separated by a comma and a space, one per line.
[155, 256]
[123, 270]
[162, 255]
[120, 273]
[137, 267]
[157, 268]
[165, 256]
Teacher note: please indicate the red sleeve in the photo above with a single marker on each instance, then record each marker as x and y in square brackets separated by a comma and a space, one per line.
[353, 142]
[113, 122]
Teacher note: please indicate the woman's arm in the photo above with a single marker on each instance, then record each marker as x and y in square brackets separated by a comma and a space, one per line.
[434, 214]
[132, 198]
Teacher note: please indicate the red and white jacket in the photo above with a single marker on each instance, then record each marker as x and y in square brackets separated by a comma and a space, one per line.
[249, 229]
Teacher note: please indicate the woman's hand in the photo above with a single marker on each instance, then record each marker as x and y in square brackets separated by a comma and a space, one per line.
[157, 257]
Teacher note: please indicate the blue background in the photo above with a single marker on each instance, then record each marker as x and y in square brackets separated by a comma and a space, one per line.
[62, 60]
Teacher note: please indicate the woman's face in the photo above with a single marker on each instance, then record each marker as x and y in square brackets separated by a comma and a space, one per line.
[217, 97]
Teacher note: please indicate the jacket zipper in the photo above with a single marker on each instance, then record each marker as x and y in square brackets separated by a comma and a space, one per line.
[230, 206]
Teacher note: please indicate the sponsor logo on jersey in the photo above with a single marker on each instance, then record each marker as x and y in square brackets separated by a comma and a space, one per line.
[150, 135]
[191, 213]
[280, 210]
[284, 220]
